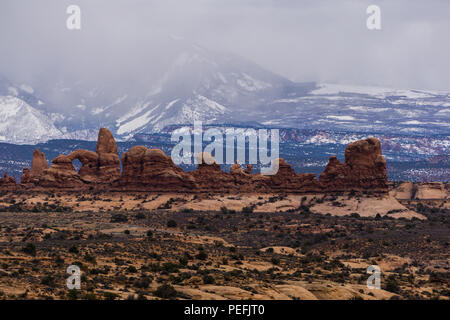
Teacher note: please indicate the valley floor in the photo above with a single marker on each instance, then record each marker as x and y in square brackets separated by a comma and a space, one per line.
[142, 246]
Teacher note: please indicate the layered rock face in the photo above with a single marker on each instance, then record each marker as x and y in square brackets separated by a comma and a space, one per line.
[153, 170]
[145, 169]
[38, 166]
[364, 169]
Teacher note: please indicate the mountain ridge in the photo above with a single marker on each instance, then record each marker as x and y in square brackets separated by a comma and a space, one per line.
[199, 84]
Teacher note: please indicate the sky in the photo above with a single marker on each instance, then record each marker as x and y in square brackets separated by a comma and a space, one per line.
[303, 40]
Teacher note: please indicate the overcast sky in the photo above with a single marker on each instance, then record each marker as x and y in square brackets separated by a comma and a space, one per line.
[310, 40]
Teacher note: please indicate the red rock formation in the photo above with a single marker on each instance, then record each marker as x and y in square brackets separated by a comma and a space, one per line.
[106, 142]
[89, 171]
[364, 169]
[210, 178]
[38, 165]
[101, 167]
[7, 181]
[26, 176]
[61, 174]
[286, 180]
[151, 169]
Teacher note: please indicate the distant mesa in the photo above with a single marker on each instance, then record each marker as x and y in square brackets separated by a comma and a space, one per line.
[146, 169]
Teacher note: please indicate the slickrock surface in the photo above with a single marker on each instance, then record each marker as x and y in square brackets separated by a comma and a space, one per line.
[421, 191]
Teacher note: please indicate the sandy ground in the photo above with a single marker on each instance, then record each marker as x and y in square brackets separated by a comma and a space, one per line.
[365, 206]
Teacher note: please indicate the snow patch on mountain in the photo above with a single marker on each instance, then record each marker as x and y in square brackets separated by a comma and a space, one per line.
[137, 123]
[21, 123]
[27, 88]
[342, 118]
[251, 84]
[379, 92]
[171, 103]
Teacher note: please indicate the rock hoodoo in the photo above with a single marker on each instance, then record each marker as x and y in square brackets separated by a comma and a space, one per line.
[364, 169]
[38, 165]
[7, 181]
[145, 169]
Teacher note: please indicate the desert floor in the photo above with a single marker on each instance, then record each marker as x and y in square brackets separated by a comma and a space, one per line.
[152, 246]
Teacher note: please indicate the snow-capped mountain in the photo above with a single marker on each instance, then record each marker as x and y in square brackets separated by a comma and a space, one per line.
[21, 123]
[194, 83]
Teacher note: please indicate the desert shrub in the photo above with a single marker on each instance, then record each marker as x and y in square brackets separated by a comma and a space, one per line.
[165, 291]
[202, 255]
[170, 267]
[208, 279]
[183, 261]
[142, 283]
[89, 296]
[140, 216]
[29, 249]
[155, 267]
[73, 294]
[304, 209]
[110, 295]
[48, 281]
[119, 217]
[392, 285]
[248, 209]
[131, 269]
[275, 261]
[171, 224]
[89, 258]
[149, 234]
[167, 205]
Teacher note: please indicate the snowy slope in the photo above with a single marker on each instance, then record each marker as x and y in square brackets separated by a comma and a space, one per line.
[21, 123]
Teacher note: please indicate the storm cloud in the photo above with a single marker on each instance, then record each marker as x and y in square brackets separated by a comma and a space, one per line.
[324, 41]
